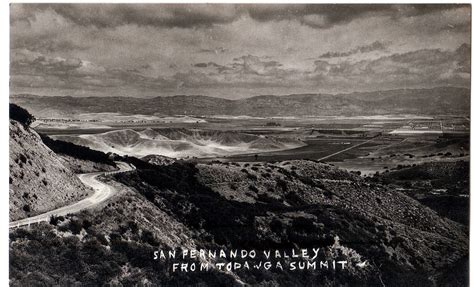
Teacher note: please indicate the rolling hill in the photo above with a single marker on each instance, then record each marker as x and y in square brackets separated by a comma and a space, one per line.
[179, 142]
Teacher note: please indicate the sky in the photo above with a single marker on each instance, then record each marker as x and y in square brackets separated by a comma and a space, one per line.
[235, 51]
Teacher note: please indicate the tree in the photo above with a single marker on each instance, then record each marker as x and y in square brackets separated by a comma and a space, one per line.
[21, 115]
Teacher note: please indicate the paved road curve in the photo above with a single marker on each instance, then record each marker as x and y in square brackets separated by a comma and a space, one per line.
[102, 192]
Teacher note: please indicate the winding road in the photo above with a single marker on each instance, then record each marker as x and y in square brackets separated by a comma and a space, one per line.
[102, 192]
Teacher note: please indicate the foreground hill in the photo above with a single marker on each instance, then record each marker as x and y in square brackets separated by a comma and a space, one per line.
[442, 186]
[285, 205]
[40, 180]
[443, 100]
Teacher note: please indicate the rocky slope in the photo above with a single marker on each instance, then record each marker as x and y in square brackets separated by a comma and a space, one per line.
[39, 179]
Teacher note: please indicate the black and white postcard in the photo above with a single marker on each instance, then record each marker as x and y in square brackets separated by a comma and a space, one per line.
[239, 144]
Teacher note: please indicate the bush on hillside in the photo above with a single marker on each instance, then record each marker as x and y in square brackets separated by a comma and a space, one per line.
[76, 151]
[21, 115]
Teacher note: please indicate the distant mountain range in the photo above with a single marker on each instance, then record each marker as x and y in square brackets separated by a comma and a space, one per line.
[442, 100]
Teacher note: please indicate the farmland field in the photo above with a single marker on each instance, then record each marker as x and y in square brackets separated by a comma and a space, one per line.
[365, 144]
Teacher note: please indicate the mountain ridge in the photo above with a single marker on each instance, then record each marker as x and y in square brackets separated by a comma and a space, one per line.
[442, 100]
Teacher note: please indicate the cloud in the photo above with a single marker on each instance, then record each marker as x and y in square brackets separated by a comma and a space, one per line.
[150, 49]
[420, 68]
[200, 65]
[113, 15]
[317, 16]
[242, 66]
[426, 67]
[217, 50]
[204, 15]
[250, 64]
[73, 73]
[25, 60]
[328, 15]
[375, 46]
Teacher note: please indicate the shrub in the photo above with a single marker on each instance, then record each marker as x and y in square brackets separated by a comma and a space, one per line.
[328, 194]
[53, 220]
[276, 225]
[253, 188]
[303, 224]
[76, 151]
[75, 226]
[21, 115]
[86, 224]
[282, 184]
[251, 176]
[307, 180]
[22, 157]
[148, 237]
[293, 198]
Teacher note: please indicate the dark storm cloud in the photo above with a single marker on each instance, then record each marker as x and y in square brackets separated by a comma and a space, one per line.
[200, 65]
[113, 15]
[375, 46]
[196, 15]
[342, 14]
[327, 15]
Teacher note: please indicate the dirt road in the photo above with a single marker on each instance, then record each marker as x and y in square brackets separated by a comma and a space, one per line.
[346, 149]
[102, 192]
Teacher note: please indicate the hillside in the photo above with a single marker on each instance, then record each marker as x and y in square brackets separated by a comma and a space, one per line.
[442, 186]
[443, 100]
[39, 179]
[292, 204]
[302, 204]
